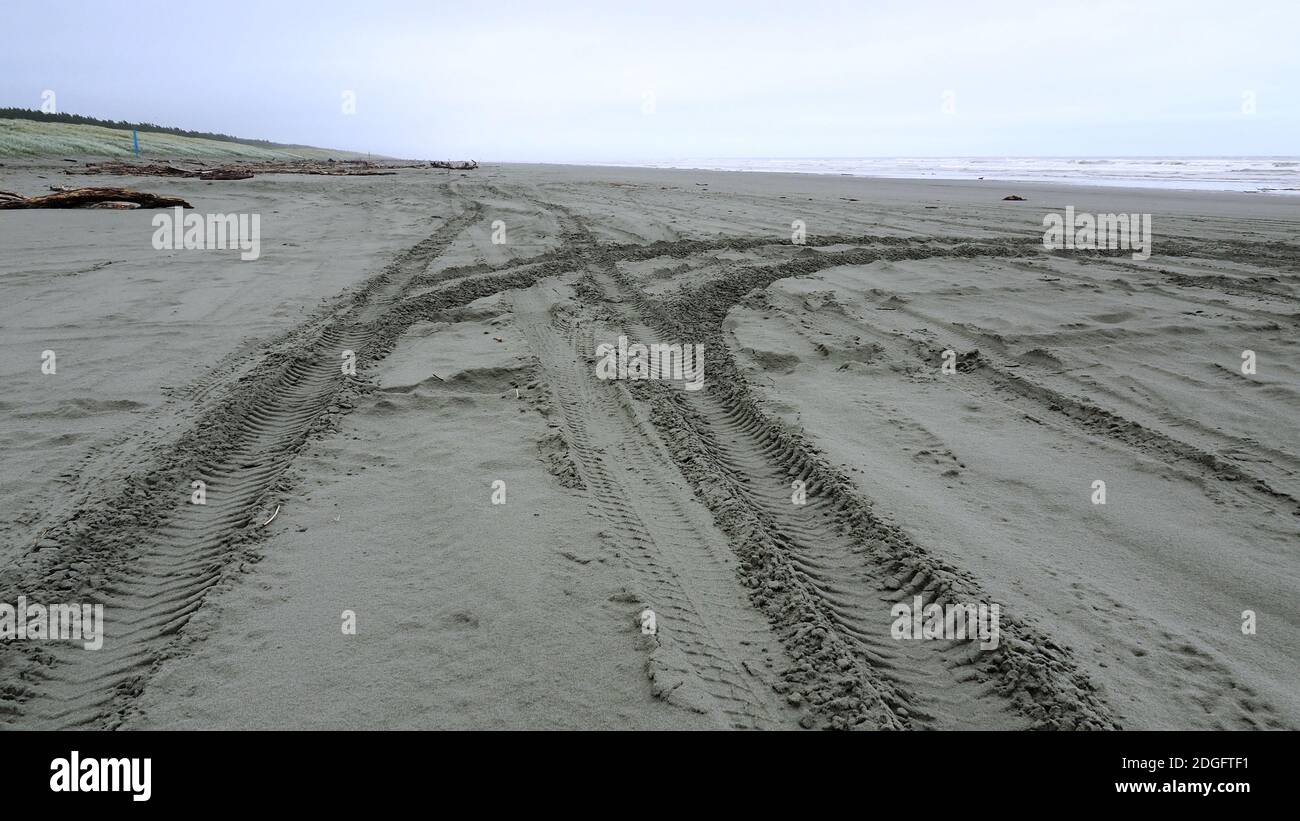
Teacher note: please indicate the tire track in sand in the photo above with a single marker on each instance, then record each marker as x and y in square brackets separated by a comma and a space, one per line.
[828, 573]
[149, 556]
[707, 654]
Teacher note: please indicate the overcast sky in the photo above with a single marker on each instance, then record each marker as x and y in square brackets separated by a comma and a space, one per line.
[612, 81]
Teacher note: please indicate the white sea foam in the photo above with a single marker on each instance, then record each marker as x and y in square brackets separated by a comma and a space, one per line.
[1279, 175]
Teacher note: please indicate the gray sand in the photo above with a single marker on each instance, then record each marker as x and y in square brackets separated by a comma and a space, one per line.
[476, 363]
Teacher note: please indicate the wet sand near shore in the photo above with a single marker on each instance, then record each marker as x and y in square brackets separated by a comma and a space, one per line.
[477, 383]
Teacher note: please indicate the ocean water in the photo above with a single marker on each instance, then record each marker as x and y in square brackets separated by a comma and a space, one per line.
[1277, 175]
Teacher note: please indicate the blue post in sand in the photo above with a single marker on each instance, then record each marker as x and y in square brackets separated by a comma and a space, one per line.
[135, 142]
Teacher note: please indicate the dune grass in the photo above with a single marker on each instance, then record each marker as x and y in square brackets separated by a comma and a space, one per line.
[29, 138]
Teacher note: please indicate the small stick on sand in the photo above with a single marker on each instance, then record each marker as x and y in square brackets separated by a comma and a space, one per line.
[273, 515]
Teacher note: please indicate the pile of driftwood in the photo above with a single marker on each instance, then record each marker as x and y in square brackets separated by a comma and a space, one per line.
[329, 168]
[156, 170]
[246, 170]
[91, 198]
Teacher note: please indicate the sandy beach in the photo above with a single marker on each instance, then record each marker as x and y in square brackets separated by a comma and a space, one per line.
[497, 519]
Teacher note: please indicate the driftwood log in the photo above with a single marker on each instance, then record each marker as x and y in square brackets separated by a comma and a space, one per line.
[93, 198]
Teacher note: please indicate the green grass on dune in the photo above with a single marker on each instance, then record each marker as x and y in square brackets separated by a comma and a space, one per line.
[29, 138]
